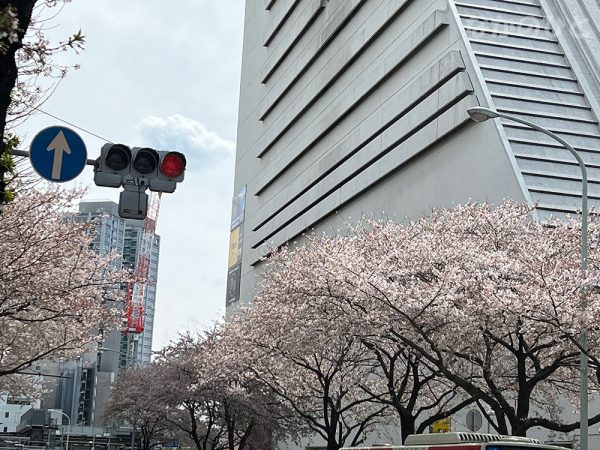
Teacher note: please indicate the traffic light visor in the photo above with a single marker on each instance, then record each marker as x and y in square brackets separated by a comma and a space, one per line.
[118, 157]
[172, 165]
[146, 161]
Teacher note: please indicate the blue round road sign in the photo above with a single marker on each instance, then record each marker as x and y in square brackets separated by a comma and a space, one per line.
[58, 154]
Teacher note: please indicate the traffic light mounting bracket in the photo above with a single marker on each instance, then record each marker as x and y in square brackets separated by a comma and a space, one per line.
[133, 202]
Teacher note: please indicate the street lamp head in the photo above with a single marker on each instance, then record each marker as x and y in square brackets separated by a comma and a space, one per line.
[481, 114]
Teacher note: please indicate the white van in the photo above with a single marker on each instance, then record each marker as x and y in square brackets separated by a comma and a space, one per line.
[464, 441]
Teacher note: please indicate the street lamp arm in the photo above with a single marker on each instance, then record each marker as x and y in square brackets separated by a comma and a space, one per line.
[554, 136]
[69, 425]
[481, 114]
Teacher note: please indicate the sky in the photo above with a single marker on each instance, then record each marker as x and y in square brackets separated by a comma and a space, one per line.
[163, 75]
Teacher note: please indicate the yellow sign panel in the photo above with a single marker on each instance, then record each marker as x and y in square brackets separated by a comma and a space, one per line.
[234, 247]
[442, 425]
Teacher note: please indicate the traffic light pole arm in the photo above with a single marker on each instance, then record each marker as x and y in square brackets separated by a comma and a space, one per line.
[25, 154]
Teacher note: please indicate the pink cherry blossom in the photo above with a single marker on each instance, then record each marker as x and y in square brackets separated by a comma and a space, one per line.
[483, 303]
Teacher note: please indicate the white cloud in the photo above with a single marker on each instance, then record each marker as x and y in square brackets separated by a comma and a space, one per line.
[182, 133]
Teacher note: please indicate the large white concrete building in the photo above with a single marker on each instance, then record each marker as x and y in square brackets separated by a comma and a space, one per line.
[352, 107]
[356, 106]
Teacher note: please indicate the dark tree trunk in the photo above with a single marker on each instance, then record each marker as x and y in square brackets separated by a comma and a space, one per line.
[519, 429]
[9, 71]
[145, 441]
[245, 438]
[201, 444]
[407, 426]
[332, 444]
[230, 426]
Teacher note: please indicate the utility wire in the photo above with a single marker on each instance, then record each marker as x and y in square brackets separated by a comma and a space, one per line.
[72, 124]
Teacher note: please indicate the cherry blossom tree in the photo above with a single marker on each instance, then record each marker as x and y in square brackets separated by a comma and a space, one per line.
[213, 406]
[487, 297]
[486, 300]
[55, 291]
[291, 340]
[307, 302]
[130, 396]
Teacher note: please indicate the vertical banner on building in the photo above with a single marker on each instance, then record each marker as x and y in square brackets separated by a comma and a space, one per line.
[233, 284]
[238, 210]
[236, 238]
[235, 247]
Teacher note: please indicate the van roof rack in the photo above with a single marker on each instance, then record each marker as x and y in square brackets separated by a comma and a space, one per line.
[462, 438]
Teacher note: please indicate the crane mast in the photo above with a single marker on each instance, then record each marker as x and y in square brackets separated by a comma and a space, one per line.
[134, 305]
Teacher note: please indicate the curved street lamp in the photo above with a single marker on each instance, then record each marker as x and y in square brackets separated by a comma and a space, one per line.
[69, 425]
[481, 114]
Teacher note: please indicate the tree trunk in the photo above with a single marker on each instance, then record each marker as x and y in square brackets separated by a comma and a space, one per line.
[145, 444]
[201, 444]
[230, 422]
[9, 71]
[332, 444]
[407, 426]
[246, 436]
[519, 429]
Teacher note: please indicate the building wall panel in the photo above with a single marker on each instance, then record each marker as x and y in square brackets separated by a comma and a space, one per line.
[548, 95]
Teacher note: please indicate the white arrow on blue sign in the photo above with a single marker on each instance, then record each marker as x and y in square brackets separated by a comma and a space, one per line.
[58, 154]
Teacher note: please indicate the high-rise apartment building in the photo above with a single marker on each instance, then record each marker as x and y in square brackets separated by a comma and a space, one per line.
[354, 107]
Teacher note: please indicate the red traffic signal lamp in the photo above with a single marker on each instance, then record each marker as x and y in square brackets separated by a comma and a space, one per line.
[173, 165]
[171, 169]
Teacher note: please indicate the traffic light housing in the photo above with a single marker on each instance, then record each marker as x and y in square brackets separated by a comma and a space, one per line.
[119, 165]
[138, 169]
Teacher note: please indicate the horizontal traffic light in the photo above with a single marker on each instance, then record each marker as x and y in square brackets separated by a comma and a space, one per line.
[119, 165]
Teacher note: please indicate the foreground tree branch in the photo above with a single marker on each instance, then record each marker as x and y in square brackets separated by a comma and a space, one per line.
[54, 288]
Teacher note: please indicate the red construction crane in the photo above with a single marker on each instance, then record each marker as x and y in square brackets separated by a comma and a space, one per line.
[134, 303]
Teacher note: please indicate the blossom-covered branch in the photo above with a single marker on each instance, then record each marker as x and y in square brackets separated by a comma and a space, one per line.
[56, 292]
